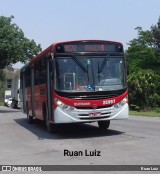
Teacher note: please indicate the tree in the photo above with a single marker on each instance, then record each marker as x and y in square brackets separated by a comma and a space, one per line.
[156, 33]
[143, 56]
[14, 45]
[2, 85]
[142, 52]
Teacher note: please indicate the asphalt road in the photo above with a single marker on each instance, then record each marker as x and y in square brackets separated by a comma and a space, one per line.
[135, 141]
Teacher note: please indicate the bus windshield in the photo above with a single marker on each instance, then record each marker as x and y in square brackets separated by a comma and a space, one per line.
[81, 73]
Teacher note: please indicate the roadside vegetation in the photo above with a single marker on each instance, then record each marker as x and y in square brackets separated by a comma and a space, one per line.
[143, 57]
[154, 112]
[14, 47]
[2, 87]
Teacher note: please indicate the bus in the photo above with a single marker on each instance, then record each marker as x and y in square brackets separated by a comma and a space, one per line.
[81, 81]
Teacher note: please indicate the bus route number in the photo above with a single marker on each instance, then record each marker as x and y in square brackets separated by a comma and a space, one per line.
[109, 102]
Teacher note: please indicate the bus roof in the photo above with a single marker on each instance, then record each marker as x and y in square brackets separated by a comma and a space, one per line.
[24, 67]
[51, 48]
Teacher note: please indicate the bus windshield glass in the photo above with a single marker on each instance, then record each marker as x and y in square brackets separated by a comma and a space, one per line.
[81, 74]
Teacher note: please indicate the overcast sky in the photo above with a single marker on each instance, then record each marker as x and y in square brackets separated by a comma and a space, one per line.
[49, 21]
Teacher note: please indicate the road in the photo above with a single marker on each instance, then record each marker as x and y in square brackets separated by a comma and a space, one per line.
[134, 141]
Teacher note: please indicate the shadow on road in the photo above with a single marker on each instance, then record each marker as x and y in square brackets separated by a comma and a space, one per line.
[66, 131]
[8, 111]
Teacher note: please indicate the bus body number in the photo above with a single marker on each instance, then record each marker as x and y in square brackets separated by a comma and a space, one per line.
[109, 102]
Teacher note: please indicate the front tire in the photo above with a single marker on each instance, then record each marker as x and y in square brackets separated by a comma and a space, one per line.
[104, 124]
[49, 125]
[29, 118]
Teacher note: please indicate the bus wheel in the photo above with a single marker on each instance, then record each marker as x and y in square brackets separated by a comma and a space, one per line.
[29, 118]
[51, 127]
[104, 124]
[48, 123]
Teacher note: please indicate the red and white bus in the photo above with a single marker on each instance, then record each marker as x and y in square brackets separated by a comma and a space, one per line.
[76, 82]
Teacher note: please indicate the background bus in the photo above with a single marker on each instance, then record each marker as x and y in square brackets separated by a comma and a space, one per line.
[76, 82]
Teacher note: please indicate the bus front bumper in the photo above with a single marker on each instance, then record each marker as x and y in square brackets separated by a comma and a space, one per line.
[89, 115]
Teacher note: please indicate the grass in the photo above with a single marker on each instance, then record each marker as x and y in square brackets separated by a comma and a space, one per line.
[152, 113]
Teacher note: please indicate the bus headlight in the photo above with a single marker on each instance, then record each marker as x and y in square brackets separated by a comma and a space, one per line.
[63, 106]
[59, 103]
[121, 103]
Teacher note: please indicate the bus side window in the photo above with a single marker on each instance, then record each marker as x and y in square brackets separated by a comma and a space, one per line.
[42, 71]
[28, 77]
[37, 74]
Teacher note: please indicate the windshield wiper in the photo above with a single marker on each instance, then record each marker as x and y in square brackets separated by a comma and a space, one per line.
[98, 73]
[103, 64]
[80, 64]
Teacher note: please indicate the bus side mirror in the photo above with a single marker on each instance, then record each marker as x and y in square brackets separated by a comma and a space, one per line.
[18, 91]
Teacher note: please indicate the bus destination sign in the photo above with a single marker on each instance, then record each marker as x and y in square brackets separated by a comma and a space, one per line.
[89, 47]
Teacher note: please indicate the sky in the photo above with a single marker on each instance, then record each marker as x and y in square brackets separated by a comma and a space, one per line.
[50, 21]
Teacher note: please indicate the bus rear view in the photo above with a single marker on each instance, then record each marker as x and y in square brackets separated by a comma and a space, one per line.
[86, 82]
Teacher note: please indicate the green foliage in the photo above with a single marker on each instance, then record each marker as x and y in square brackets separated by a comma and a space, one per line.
[145, 38]
[2, 85]
[143, 56]
[142, 52]
[14, 45]
[144, 89]
[156, 34]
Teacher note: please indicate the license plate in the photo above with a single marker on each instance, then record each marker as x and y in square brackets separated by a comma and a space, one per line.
[95, 114]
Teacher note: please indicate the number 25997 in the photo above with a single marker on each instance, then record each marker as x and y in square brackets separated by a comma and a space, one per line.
[109, 102]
